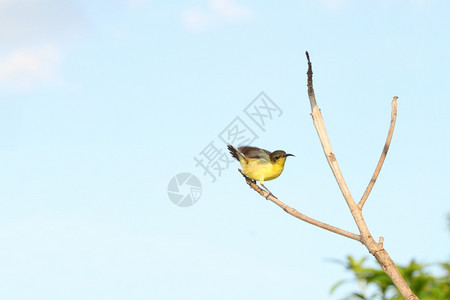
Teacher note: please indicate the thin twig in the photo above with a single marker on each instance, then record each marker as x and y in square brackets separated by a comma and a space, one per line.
[383, 154]
[299, 215]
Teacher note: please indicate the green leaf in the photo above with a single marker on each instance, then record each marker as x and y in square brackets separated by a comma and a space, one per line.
[336, 285]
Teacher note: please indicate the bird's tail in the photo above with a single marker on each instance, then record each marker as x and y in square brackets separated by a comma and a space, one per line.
[233, 152]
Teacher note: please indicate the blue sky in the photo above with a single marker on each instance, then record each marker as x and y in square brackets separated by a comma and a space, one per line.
[103, 103]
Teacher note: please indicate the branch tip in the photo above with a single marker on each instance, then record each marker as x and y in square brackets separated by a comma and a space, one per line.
[383, 155]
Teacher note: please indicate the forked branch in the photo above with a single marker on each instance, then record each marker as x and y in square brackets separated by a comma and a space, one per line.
[376, 249]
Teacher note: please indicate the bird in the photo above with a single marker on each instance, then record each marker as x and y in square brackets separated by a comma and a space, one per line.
[259, 164]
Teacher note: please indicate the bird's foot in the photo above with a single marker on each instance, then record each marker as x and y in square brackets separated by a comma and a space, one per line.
[270, 194]
[268, 191]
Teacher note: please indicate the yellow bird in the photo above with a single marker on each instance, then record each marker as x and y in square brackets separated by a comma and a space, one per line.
[259, 164]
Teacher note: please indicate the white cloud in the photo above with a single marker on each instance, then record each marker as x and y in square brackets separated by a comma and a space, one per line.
[217, 12]
[32, 21]
[337, 5]
[136, 4]
[334, 4]
[34, 35]
[229, 10]
[26, 67]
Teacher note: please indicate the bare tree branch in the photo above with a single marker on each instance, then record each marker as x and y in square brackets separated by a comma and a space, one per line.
[383, 154]
[376, 249]
[299, 215]
[325, 141]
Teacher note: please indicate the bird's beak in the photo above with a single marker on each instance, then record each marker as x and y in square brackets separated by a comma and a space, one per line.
[289, 155]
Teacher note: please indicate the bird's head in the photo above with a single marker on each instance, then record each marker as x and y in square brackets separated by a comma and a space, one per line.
[279, 156]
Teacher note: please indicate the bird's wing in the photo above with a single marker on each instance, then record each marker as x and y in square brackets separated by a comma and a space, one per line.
[253, 152]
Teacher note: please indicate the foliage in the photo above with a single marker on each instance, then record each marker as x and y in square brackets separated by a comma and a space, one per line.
[375, 284]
